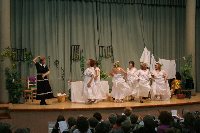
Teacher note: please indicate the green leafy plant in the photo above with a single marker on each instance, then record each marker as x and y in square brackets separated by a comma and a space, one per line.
[13, 80]
[13, 85]
[186, 69]
[103, 75]
[82, 64]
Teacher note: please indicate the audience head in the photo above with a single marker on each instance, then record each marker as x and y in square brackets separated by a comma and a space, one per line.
[5, 128]
[71, 122]
[126, 126]
[128, 111]
[60, 118]
[165, 118]
[102, 127]
[197, 125]
[133, 118]
[149, 122]
[93, 122]
[82, 124]
[22, 130]
[98, 116]
[120, 119]
[112, 118]
[189, 120]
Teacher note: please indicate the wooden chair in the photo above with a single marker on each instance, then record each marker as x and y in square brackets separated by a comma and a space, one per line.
[31, 91]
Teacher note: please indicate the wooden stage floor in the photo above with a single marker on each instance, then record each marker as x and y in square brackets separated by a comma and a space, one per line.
[54, 105]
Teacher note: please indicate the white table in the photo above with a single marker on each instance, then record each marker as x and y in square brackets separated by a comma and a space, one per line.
[77, 91]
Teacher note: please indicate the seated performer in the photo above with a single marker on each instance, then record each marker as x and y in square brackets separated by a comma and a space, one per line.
[160, 85]
[89, 89]
[132, 79]
[43, 87]
[120, 88]
[144, 77]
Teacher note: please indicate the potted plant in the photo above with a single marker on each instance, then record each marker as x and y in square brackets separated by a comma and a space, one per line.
[14, 83]
[186, 72]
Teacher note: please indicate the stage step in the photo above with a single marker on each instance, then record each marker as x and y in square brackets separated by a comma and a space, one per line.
[4, 113]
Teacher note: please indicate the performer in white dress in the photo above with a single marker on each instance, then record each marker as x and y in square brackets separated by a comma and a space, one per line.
[160, 85]
[120, 88]
[89, 89]
[144, 77]
[97, 81]
[132, 79]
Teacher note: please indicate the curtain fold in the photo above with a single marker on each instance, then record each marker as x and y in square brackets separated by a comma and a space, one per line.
[50, 27]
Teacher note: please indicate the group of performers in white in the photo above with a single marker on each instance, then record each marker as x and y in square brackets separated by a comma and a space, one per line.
[129, 84]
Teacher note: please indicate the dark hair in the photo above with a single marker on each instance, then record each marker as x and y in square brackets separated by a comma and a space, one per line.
[197, 125]
[128, 111]
[189, 119]
[71, 122]
[112, 118]
[165, 117]
[133, 118]
[149, 123]
[59, 118]
[92, 62]
[132, 62]
[22, 130]
[126, 126]
[120, 119]
[82, 124]
[102, 127]
[178, 75]
[5, 128]
[98, 116]
[93, 122]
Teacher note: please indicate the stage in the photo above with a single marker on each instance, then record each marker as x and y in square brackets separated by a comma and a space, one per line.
[53, 104]
[20, 115]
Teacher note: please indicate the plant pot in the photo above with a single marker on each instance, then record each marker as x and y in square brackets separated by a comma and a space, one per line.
[180, 96]
[189, 84]
[61, 99]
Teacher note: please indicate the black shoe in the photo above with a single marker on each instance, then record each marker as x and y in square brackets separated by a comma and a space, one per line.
[41, 103]
[141, 101]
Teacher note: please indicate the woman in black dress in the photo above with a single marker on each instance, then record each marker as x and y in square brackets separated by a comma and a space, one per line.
[43, 87]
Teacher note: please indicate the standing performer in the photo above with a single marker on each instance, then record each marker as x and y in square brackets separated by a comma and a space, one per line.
[132, 79]
[144, 77]
[160, 86]
[89, 89]
[120, 88]
[43, 87]
[97, 82]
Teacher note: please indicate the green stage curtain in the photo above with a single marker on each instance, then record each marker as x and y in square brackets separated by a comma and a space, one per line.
[50, 27]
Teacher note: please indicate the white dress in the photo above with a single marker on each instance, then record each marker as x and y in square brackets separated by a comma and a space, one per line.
[144, 82]
[89, 92]
[160, 86]
[120, 88]
[101, 94]
[132, 80]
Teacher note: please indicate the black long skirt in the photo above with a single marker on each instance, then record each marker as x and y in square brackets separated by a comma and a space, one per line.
[44, 90]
